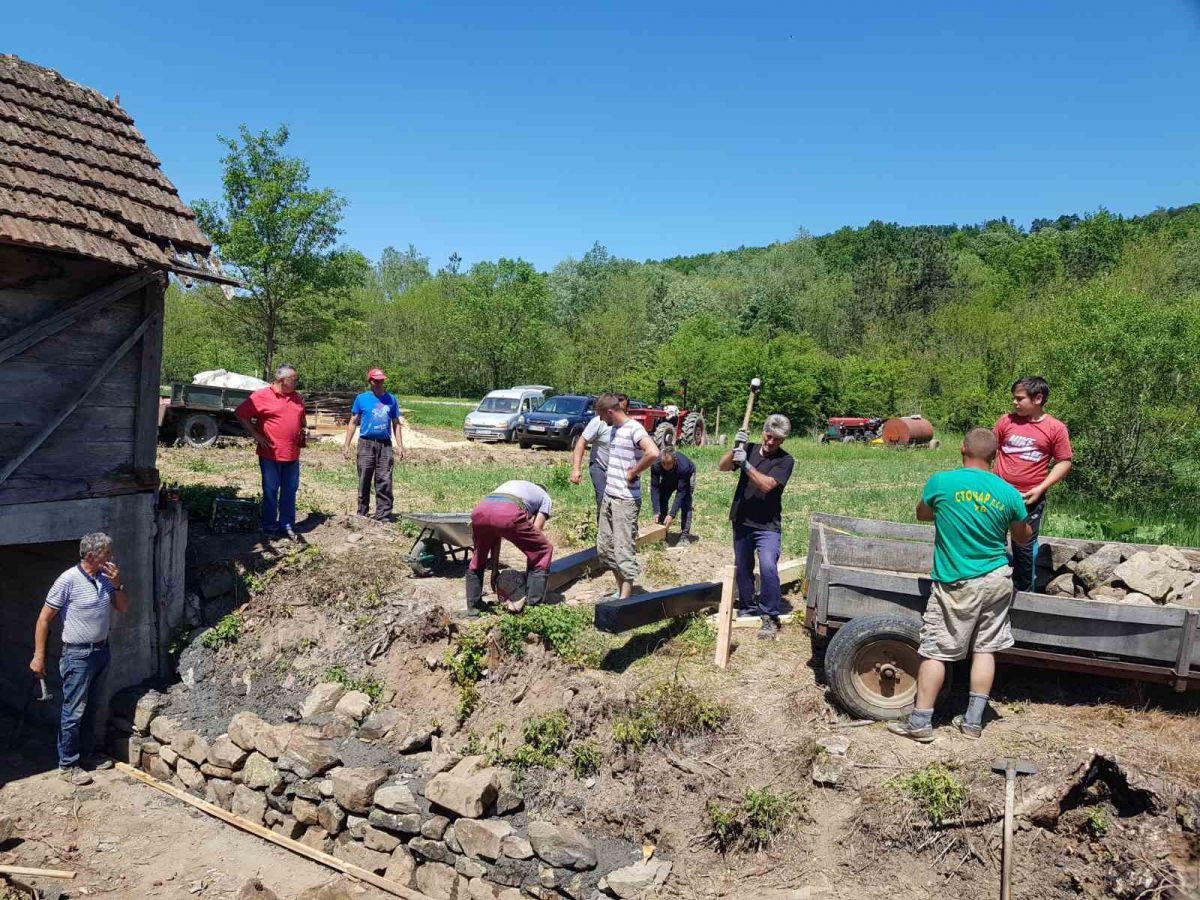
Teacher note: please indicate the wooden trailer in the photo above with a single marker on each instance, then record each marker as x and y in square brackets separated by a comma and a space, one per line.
[868, 582]
[89, 229]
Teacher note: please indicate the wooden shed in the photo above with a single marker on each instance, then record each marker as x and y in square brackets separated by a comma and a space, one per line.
[89, 229]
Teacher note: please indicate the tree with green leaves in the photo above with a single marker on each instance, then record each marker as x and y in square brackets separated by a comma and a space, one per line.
[279, 237]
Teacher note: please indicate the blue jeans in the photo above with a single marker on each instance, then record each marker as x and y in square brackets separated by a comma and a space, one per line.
[1024, 559]
[280, 481]
[82, 671]
[747, 542]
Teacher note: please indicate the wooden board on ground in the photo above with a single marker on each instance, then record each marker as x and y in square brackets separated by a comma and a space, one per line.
[384, 884]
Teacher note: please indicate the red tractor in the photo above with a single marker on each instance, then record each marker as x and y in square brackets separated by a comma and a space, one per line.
[850, 429]
[670, 424]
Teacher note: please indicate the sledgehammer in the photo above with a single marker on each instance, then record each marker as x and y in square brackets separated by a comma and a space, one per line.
[1010, 768]
[755, 385]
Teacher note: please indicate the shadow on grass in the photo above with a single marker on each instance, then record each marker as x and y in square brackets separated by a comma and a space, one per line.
[644, 642]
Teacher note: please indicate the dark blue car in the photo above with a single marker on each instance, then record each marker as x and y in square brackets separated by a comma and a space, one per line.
[557, 422]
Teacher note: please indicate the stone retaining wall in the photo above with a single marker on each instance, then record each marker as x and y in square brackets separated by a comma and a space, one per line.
[455, 830]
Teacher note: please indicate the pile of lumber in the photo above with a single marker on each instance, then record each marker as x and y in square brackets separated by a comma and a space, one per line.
[1121, 573]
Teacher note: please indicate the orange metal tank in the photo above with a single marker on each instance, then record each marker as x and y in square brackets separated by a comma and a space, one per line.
[907, 431]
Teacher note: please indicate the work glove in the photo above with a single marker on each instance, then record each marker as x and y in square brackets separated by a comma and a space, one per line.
[741, 437]
[739, 457]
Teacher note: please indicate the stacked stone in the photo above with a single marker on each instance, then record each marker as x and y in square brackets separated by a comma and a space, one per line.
[452, 836]
[1121, 573]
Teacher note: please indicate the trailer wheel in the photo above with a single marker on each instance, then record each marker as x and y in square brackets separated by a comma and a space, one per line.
[692, 431]
[199, 430]
[871, 665]
[427, 556]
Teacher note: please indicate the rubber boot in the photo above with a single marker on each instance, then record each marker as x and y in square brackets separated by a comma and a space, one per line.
[474, 582]
[535, 587]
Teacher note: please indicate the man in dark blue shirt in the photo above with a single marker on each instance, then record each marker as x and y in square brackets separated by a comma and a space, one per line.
[674, 474]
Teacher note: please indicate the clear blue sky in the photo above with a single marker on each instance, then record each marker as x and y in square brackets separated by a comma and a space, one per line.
[533, 129]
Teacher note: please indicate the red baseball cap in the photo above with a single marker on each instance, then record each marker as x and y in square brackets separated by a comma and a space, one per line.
[376, 375]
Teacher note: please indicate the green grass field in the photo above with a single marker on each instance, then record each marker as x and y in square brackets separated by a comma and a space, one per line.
[424, 413]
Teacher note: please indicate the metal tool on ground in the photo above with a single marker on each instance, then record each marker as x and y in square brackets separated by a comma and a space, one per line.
[755, 387]
[1010, 768]
[443, 537]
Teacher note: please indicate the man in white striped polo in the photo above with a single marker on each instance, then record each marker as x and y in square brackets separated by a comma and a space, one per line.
[83, 595]
[630, 453]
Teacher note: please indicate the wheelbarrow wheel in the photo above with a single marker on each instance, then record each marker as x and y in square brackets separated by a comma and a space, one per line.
[871, 665]
[427, 556]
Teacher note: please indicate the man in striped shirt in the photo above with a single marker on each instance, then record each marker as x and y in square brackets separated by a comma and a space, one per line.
[83, 595]
[630, 453]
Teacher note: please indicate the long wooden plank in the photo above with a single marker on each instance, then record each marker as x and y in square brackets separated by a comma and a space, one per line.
[646, 609]
[70, 407]
[85, 306]
[878, 553]
[587, 562]
[875, 527]
[36, 873]
[384, 884]
[725, 618]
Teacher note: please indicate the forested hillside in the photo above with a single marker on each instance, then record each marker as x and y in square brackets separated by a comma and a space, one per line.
[876, 320]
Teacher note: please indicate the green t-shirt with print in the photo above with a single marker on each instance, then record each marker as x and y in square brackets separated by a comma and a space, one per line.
[972, 510]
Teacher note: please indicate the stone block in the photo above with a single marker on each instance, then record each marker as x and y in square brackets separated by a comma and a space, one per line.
[516, 847]
[431, 850]
[354, 788]
[635, 880]
[1152, 574]
[164, 727]
[189, 774]
[225, 753]
[360, 855]
[288, 827]
[417, 742]
[397, 823]
[562, 846]
[126, 748]
[211, 771]
[435, 827]
[258, 772]
[1098, 568]
[244, 728]
[468, 790]
[191, 746]
[469, 868]
[307, 757]
[249, 804]
[1061, 586]
[219, 793]
[168, 755]
[272, 740]
[509, 798]
[379, 724]
[305, 811]
[377, 839]
[396, 798]
[331, 817]
[321, 699]
[354, 705]
[481, 838]
[401, 867]
[317, 838]
[437, 880]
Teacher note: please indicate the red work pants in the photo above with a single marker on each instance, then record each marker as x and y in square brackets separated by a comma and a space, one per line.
[496, 520]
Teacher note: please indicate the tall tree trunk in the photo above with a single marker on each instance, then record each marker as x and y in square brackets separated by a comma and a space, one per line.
[269, 348]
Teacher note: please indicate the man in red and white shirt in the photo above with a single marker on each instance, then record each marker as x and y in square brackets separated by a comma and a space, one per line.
[1034, 455]
[274, 417]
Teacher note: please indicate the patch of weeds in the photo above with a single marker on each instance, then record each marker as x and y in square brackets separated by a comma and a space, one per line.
[585, 758]
[1097, 822]
[577, 526]
[754, 823]
[198, 499]
[468, 699]
[367, 683]
[659, 567]
[698, 638]
[937, 790]
[198, 464]
[544, 740]
[490, 748]
[632, 732]
[362, 623]
[466, 661]
[224, 632]
[680, 711]
[560, 477]
[559, 625]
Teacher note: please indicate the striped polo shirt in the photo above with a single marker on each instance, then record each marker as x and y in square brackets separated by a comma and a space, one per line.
[623, 454]
[83, 603]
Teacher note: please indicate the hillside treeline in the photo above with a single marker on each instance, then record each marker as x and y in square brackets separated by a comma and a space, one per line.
[880, 320]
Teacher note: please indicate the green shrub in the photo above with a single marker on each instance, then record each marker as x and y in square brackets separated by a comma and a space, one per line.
[755, 823]
[585, 758]
[1097, 822]
[634, 731]
[545, 738]
[559, 625]
[224, 632]
[725, 825]
[937, 790]
[367, 683]
[680, 711]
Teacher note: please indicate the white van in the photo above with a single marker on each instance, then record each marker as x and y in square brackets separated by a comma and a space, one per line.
[495, 418]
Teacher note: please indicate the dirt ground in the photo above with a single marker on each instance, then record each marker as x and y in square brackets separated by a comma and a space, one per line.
[347, 599]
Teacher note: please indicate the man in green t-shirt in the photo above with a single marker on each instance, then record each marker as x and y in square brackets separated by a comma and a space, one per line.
[973, 512]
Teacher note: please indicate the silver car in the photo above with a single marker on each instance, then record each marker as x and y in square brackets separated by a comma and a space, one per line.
[495, 418]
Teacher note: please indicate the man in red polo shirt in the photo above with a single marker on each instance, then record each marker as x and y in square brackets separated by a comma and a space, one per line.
[274, 417]
[1030, 438]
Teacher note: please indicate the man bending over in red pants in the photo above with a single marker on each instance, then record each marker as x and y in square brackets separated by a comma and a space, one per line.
[517, 510]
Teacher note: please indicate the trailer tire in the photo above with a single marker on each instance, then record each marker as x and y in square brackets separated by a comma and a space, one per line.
[871, 666]
[199, 430]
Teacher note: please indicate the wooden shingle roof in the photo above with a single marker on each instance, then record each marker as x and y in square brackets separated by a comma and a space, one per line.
[76, 177]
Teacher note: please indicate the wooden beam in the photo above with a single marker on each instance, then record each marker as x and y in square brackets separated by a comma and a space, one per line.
[384, 884]
[36, 873]
[145, 430]
[587, 562]
[92, 303]
[646, 609]
[725, 618]
[61, 416]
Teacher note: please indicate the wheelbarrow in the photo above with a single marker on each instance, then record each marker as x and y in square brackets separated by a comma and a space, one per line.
[444, 537]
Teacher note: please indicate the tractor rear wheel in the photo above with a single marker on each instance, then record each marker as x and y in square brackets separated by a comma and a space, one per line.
[692, 432]
[664, 436]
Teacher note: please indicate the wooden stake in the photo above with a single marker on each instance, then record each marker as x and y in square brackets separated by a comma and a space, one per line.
[725, 618]
[384, 884]
[36, 873]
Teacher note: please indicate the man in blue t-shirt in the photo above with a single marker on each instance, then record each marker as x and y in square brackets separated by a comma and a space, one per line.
[376, 415]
